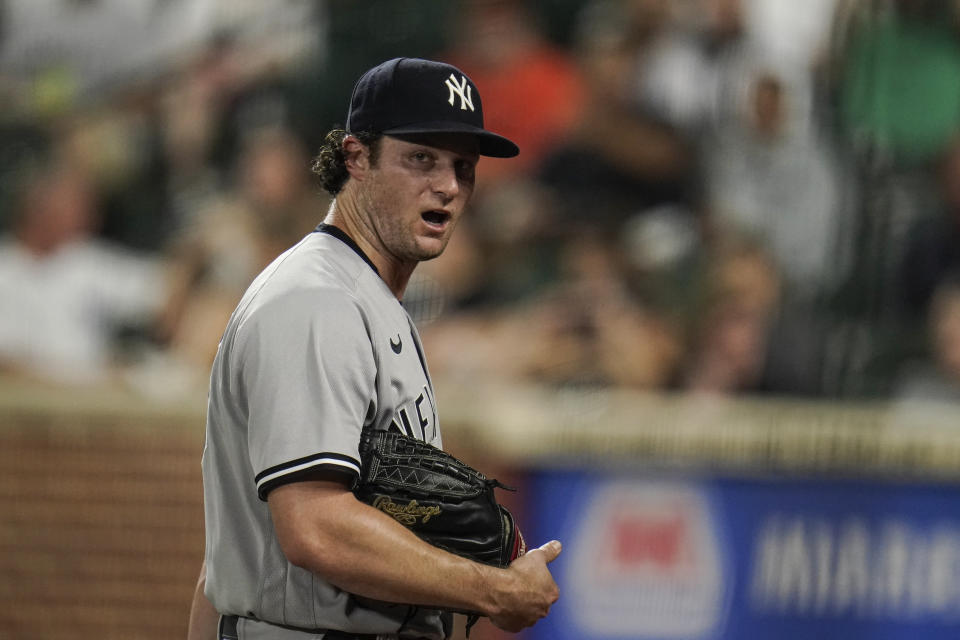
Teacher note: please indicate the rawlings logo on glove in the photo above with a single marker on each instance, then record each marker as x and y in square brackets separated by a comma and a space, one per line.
[407, 515]
[440, 498]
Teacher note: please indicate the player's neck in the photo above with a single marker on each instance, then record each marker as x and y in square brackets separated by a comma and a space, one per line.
[395, 274]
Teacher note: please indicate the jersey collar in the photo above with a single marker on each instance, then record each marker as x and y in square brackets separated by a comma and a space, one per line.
[341, 235]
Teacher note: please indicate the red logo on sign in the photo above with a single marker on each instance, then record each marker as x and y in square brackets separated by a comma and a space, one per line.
[646, 563]
[656, 542]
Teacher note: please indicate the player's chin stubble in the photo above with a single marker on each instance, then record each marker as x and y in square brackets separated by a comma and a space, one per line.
[397, 235]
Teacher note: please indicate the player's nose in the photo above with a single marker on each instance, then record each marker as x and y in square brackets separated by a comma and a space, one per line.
[446, 183]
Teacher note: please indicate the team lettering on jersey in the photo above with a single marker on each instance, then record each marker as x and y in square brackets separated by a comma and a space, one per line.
[417, 418]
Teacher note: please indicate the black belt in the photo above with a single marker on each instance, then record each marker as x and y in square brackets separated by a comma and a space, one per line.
[228, 628]
[228, 631]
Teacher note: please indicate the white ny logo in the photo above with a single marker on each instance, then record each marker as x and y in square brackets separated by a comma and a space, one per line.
[462, 89]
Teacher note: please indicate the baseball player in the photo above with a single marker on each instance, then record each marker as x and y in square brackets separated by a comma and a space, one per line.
[320, 347]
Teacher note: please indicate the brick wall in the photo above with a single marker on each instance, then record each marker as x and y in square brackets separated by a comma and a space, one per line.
[101, 516]
[101, 523]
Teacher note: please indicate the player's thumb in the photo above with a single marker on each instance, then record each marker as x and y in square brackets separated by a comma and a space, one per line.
[551, 550]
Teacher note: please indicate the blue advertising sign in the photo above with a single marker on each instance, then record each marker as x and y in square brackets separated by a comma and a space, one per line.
[667, 558]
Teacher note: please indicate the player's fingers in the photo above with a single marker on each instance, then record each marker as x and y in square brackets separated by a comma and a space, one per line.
[551, 550]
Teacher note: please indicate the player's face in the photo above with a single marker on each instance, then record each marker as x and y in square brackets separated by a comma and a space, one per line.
[417, 192]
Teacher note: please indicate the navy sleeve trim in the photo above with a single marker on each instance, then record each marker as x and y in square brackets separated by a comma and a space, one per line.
[294, 470]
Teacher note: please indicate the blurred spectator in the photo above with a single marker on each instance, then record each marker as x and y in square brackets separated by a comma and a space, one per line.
[933, 244]
[727, 350]
[208, 108]
[664, 250]
[897, 107]
[586, 329]
[687, 68]
[702, 57]
[618, 160]
[898, 92]
[591, 330]
[23, 145]
[191, 106]
[99, 45]
[532, 92]
[164, 151]
[657, 136]
[787, 34]
[116, 144]
[773, 179]
[273, 206]
[65, 297]
[517, 239]
[925, 384]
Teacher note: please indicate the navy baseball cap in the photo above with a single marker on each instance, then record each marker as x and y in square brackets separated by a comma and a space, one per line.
[412, 95]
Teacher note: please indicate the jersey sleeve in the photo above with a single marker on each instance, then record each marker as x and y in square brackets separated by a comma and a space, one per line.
[309, 377]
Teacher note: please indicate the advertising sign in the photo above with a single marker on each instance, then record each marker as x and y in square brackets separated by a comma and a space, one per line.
[657, 557]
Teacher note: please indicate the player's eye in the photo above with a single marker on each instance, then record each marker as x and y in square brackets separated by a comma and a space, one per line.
[465, 170]
[421, 156]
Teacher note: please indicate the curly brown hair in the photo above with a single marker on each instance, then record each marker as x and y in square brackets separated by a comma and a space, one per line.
[330, 164]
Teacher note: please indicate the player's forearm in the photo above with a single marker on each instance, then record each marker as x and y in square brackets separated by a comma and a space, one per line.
[365, 552]
[381, 559]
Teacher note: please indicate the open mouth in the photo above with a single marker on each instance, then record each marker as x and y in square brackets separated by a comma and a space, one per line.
[435, 218]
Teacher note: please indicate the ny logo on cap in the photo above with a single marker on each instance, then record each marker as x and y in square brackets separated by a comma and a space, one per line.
[462, 89]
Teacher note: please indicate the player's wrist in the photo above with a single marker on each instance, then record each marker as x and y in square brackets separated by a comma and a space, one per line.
[498, 588]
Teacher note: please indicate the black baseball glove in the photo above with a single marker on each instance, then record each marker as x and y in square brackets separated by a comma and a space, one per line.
[440, 498]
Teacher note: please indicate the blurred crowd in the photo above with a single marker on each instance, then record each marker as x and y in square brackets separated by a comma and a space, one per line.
[715, 196]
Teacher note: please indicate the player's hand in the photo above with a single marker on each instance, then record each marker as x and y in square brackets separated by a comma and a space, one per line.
[532, 590]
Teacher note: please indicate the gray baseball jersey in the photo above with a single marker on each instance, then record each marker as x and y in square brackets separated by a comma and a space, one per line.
[317, 349]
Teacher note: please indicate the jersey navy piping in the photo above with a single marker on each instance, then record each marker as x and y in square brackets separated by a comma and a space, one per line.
[340, 235]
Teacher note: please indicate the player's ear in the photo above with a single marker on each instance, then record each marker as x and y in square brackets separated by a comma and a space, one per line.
[356, 156]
